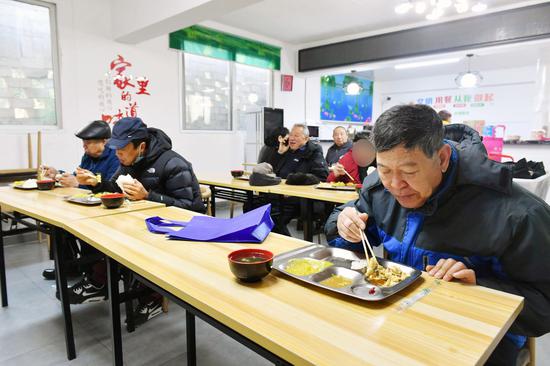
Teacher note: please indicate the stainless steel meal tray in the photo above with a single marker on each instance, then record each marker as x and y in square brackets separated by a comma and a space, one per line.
[87, 201]
[341, 259]
[337, 188]
[24, 188]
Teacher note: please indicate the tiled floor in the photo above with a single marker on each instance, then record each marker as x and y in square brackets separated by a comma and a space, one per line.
[31, 328]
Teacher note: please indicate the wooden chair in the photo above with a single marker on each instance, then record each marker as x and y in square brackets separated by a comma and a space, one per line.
[531, 345]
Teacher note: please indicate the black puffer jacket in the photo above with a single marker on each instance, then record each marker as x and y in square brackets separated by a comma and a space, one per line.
[308, 159]
[167, 176]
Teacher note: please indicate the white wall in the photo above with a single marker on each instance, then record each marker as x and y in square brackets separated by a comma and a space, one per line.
[86, 49]
[400, 90]
[521, 105]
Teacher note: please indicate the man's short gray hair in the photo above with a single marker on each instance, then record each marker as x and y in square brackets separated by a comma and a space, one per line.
[303, 127]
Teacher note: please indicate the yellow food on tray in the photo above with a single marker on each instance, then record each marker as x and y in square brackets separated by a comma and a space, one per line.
[89, 195]
[338, 184]
[336, 281]
[350, 184]
[382, 276]
[306, 266]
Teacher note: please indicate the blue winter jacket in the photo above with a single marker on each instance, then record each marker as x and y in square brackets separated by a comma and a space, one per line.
[477, 216]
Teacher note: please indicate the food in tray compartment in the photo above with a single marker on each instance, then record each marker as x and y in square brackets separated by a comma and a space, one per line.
[336, 281]
[90, 195]
[382, 276]
[306, 266]
[29, 183]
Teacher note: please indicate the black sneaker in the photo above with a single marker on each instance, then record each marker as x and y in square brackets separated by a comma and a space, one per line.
[84, 292]
[49, 273]
[147, 311]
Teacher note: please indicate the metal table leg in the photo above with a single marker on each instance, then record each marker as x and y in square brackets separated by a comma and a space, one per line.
[128, 302]
[114, 306]
[307, 215]
[191, 340]
[58, 244]
[3, 283]
[213, 200]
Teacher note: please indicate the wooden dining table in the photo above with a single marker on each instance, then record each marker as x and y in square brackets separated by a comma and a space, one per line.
[51, 209]
[239, 190]
[429, 323]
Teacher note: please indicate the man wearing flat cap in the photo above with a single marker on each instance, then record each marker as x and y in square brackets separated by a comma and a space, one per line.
[97, 158]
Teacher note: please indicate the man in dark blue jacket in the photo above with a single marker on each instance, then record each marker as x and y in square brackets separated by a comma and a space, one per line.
[443, 206]
[97, 159]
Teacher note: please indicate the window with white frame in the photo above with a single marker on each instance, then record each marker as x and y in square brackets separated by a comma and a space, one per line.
[218, 93]
[28, 64]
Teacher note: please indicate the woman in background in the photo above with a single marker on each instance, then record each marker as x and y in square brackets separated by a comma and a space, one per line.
[268, 152]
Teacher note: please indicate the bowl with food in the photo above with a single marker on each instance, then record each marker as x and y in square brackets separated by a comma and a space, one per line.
[237, 173]
[112, 200]
[250, 265]
[45, 184]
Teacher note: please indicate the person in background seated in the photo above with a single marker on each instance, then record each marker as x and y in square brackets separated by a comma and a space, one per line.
[97, 159]
[445, 116]
[160, 175]
[268, 152]
[355, 162]
[300, 155]
[443, 206]
[340, 147]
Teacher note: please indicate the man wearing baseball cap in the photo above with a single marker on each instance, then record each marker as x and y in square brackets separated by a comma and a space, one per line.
[159, 174]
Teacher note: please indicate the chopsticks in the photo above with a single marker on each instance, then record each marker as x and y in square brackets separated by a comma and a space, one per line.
[366, 244]
[350, 177]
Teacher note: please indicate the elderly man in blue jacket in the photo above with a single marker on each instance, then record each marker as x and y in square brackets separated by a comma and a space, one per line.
[442, 206]
[99, 160]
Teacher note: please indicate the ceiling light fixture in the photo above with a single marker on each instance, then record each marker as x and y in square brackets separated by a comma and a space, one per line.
[403, 8]
[479, 7]
[469, 79]
[462, 7]
[435, 8]
[435, 14]
[420, 7]
[353, 87]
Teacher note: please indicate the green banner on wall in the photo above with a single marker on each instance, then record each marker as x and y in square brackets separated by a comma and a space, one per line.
[212, 43]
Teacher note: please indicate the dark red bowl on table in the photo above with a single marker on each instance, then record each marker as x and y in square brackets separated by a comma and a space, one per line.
[112, 200]
[250, 265]
[45, 184]
[237, 173]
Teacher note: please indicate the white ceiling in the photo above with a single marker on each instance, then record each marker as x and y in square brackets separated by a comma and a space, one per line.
[306, 22]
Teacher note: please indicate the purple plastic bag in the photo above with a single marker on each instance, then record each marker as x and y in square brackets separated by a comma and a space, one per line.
[250, 227]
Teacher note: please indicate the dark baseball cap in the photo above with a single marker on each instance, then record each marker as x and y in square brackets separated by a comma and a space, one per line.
[125, 130]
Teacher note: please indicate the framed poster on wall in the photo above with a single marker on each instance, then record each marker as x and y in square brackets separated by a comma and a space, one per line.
[346, 98]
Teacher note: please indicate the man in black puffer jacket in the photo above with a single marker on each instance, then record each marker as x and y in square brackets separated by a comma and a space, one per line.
[159, 174]
[300, 155]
